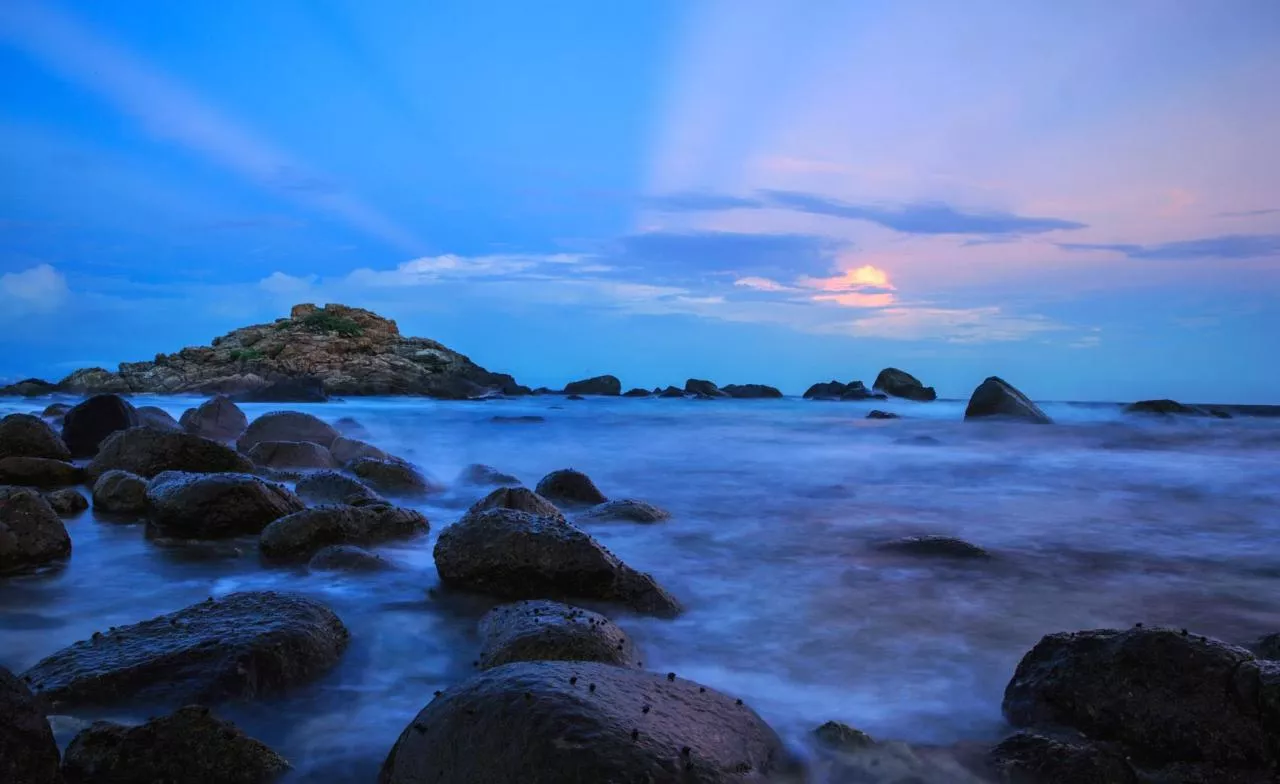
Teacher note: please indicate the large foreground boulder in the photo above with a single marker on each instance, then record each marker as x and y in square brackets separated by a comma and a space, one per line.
[88, 424]
[291, 454]
[1031, 757]
[900, 383]
[147, 452]
[217, 418]
[189, 746]
[573, 722]
[598, 385]
[299, 535]
[541, 630]
[28, 753]
[521, 499]
[67, 502]
[568, 486]
[332, 487]
[515, 555]
[394, 477]
[31, 534]
[215, 506]
[287, 426]
[750, 391]
[39, 472]
[242, 646]
[27, 435]
[996, 398]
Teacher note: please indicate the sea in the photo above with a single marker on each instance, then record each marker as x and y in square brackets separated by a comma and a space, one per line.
[1104, 519]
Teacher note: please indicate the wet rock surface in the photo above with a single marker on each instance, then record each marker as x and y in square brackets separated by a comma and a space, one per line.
[28, 753]
[146, 451]
[299, 535]
[287, 426]
[583, 722]
[67, 502]
[291, 454]
[218, 418]
[25, 435]
[333, 487]
[215, 506]
[345, 449]
[242, 646]
[1164, 407]
[39, 472]
[998, 399]
[543, 630]
[1267, 647]
[347, 558]
[625, 510]
[568, 486]
[899, 383]
[393, 477]
[484, 475]
[751, 391]
[120, 492]
[31, 534]
[89, 423]
[521, 499]
[1031, 758]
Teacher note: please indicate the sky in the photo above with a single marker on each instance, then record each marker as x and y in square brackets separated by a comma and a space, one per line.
[1082, 198]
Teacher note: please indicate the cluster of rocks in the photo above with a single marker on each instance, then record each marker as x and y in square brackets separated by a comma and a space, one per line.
[699, 389]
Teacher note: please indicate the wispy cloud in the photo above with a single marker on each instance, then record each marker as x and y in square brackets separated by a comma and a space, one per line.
[1231, 246]
[726, 252]
[951, 325]
[1249, 213]
[39, 289]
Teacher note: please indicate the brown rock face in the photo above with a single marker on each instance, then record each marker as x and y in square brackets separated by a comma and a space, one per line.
[350, 350]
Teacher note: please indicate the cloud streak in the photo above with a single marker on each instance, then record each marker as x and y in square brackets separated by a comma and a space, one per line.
[40, 289]
[1230, 246]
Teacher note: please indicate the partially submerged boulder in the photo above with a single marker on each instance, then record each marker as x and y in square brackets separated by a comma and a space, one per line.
[346, 558]
[584, 722]
[89, 423]
[637, 393]
[39, 472]
[31, 534]
[147, 452]
[242, 646]
[848, 756]
[996, 398]
[900, 383]
[570, 487]
[934, 546]
[1031, 757]
[28, 753]
[154, 416]
[541, 630]
[834, 390]
[67, 502]
[332, 487]
[393, 477]
[1164, 407]
[217, 418]
[750, 391]
[484, 475]
[516, 555]
[287, 426]
[299, 535]
[598, 385]
[291, 454]
[521, 499]
[120, 492]
[878, 414]
[345, 449]
[215, 506]
[702, 388]
[26, 435]
[626, 509]
[669, 392]
[189, 745]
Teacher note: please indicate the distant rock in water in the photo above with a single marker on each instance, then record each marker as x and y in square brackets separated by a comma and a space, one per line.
[750, 391]
[525, 419]
[878, 414]
[670, 392]
[899, 383]
[288, 426]
[700, 388]
[637, 393]
[998, 399]
[521, 499]
[485, 475]
[570, 487]
[626, 509]
[347, 351]
[347, 558]
[599, 385]
[834, 390]
[88, 424]
[1166, 408]
[302, 534]
[29, 387]
[934, 546]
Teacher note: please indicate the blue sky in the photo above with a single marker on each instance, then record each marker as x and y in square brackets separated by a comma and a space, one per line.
[1081, 197]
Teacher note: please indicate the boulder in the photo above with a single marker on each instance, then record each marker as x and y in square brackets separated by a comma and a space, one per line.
[299, 535]
[189, 746]
[599, 385]
[89, 423]
[1166, 695]
[67, 502]
[331, 487]
[147, 452]
[541, 630]
[996, 398]
[899, 383]
[303, 389]
[346, 558]
[578, 722]
[28, 753]
[291, 454]
[39, 472]
[351, 427]
[31, 534]
[95, 381]
[120, 492]
[521, 499]
[834, 390]
[154, 416]
[287, 426]
[215, 506]
[28, 387]
[218, 418]
[933, 546]
[637, 393]
[1164, 407]
[669, 392]
[344, 450]
[1031, 758]
[1267, 647]
[516, 555]
[570, 487]
[839, 736]
[878, 414]
[750, 391]
[700, 387]
[55, 410]
[574, 397]
[483, 475]
[626, 509]
[527, 419]
[24, 435]
[242, 646]
[393, 477]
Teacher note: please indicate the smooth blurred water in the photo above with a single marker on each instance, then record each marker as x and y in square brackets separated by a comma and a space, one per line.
[1101, 520]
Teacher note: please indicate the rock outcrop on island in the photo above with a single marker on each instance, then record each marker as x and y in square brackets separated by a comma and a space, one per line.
[349, 351]
[899, 383]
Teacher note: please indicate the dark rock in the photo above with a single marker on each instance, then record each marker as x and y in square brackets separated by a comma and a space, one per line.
[834, 390]
[291, 454]
[899, 383]
[24, 435]
[520, 499]
[67, 502]
[750, 391]
[215, 506]
[847, 756]
[878, 414]
[393, 477]
[933, 546]
[94, 381]
[242, 646]
[1167, 695]
[299, 535]
[147, 452]
[1165, 407]
[842, 737]
[190, 746]
[1267, 647]
[627, 509]
[998, 399]
[483, 475]
[120, 492]
[599, 385]
[331, 487]
[570, 487]
[670, 392]
[515, 555]
[346, 558]
[351, 428]
[541, 630]
[218, 418]
[55, 410]
[697, 386]
[29, 387]
[28, 753]
[287, 426]
[89, 423]
[303, 389]
[542, 716]
[574, 397]
[154, 416]
[527, 419]
[1030, 758]
[855, 390]
[39, 472]
[31, 534]
[637, 393]
[918, 441]
[344, 450]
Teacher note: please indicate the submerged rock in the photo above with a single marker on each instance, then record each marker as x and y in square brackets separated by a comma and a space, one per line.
[29, 387]
[669, 392]
[578, 722]
[346, 558]
[570, 487]
[299, 535]
[628, 509]
[215, 506]
[637, 393]
[332, 487]
[147, 452]
[526, 419]
[521, 499]
[702, 388]
[287, 426]
[393, 477]
[484, 475]
[934, 546]
[1164, 407]
[25, 435]
[899, 383]
[67, 502]
[31, 534]
[189, 746]
[750, 391]
[878, 414]
[303, 389]
[996, 398]
[1267, 647]
[218, 418]
[120, 492]
[515, 555]
[345, 449]
[154, 416]
[88, 424]
[291, 454]
[841, 737]
[242, 646]
[1031, 758]
[598, 385]
[39, 472]
[28, 753]
[541, 630]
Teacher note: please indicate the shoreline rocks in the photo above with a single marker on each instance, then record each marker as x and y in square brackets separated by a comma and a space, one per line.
[147, 452]
[541, 630]
[570, 487]
[90, 422]
[751, 391]
[215, 506]
[899, 383]
[291, 454]
[521, 499]
[31, 534]
[608, 386]
[1169, 408]
[393, 477]
[217, 418]
[300, 535]
[287, 426]
[120, 492]
[25, 435]
[934, 546]
[39, 472]
[996, 398]
[625, 509]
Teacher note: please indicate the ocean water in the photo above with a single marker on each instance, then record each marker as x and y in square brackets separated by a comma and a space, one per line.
[1102, 520]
